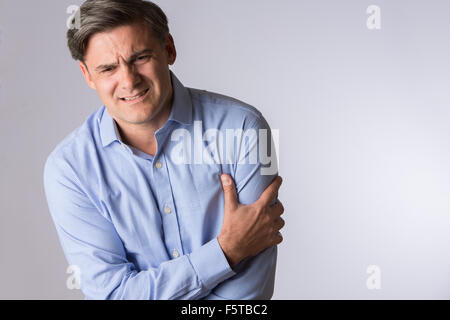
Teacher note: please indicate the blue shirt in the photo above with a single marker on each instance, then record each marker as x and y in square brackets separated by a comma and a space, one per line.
[143, 227]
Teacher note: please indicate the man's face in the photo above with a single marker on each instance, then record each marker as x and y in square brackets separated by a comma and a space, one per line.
[129, 68]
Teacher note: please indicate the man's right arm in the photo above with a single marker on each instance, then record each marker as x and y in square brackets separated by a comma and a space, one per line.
[90, 242]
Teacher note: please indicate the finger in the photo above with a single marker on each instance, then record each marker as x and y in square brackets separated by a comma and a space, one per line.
[270, 193]
[279, 224]
[231, 201]
[276, 210]
[277, 238]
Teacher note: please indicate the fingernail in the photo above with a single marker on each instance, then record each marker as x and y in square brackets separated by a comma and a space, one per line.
[225, 180]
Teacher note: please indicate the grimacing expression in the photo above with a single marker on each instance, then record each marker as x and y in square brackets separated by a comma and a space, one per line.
[129, 68]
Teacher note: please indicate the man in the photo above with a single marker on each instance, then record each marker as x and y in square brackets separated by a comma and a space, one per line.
[138, 222]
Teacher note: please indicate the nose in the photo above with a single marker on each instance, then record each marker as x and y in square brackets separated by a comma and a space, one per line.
[129, 77]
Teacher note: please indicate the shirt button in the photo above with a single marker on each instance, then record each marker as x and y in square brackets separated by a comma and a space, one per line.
[175, 254]
[167, 210]
[158, 165]
[123, 147]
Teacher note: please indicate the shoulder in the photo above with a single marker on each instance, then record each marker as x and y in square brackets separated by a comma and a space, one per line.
[224, 107]
[75, 149]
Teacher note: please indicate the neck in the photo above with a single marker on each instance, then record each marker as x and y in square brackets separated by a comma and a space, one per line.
[142, 136]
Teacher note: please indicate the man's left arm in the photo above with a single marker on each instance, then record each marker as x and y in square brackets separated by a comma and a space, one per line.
[255, 168]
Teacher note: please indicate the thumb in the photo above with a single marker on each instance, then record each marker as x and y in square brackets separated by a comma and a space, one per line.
[230, 195]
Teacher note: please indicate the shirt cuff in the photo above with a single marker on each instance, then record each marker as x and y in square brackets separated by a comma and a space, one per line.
[210, 264]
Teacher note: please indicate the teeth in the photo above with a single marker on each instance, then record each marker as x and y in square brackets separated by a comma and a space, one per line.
[135, 97]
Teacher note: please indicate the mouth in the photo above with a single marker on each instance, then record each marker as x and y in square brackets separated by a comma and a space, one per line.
[137, 98]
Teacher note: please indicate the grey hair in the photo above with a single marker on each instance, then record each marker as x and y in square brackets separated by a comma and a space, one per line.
[102, 15]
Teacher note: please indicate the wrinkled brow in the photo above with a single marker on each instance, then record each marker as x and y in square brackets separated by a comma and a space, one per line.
[132, 58]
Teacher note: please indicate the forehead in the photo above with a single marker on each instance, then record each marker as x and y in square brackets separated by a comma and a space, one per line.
[121, 41]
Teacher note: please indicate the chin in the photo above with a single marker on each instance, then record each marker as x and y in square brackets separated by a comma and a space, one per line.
[141, 118]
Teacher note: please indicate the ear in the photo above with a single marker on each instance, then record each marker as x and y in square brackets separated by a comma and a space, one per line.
[170, 50]
[87, 75]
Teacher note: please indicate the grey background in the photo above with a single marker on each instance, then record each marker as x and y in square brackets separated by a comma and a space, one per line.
[364, 134]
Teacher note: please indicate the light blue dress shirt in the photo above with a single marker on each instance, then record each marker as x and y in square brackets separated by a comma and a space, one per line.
[143, 227]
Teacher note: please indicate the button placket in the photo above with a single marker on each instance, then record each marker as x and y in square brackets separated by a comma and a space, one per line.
[169, 216]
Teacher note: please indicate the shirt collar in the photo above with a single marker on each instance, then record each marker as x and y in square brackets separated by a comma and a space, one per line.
[182, 104]
[181, 112]
[108, 128]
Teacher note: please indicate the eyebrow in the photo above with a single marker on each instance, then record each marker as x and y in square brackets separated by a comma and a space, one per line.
[132, 58]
